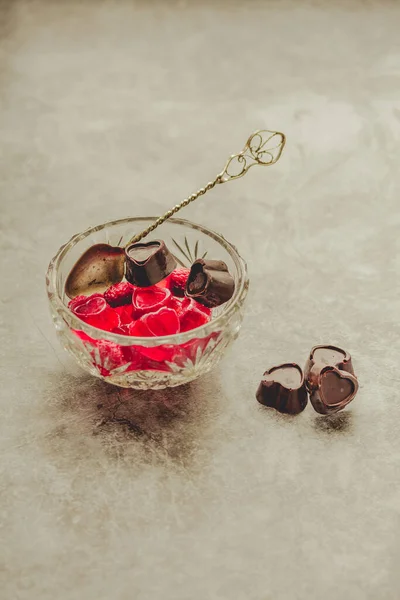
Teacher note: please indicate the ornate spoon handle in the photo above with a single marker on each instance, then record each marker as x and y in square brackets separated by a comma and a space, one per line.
[262, 148]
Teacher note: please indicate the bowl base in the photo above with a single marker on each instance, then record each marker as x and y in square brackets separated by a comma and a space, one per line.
[153, 380]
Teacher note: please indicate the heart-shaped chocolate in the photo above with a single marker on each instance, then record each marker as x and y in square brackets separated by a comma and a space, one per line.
[284, 389]
[148, 263]
[324, 356]
[98, 268]
[140, 253]
[210, 283]
[337, 388]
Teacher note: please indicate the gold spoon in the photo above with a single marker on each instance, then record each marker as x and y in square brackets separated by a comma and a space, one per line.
[103, 265]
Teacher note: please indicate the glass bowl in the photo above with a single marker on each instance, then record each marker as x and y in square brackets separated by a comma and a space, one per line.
[156, 362]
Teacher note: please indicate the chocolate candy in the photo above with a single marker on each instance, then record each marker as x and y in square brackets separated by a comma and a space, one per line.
[210, 283]
[148, 263]
[283, 388]
[330, 379]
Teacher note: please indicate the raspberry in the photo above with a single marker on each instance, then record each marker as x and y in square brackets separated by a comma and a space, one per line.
[96, 312]
[149, 299]
[119, 294]
[107, 356]
[177, 281]
[193, 318]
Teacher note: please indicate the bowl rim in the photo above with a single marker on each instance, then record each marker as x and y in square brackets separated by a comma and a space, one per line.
[124, 340]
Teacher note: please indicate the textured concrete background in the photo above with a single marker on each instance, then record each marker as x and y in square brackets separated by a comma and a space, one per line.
[110, 109]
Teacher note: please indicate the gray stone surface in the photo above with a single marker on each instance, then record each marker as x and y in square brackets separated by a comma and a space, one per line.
[110, 109]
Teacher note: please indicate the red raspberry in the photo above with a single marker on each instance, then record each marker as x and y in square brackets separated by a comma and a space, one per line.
[108, 356]
[96, 312]
[149, 299]
[193, 318]
[177, 281]
[119, 294]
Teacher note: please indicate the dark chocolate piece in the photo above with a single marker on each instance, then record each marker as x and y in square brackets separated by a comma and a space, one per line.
[148, 263]
[283, 388]
[330, 379]
[210, 283]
